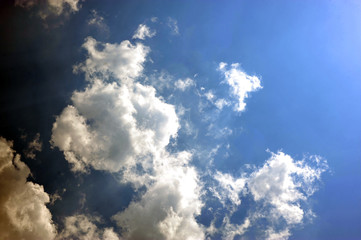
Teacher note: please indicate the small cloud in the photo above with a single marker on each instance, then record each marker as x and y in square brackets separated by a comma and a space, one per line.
[209, 95]
[154, 19]
[98, 23]
[220, 103]
[173, 25]
[184, 84]
[143, 32]
[240, 83]
[34, 146]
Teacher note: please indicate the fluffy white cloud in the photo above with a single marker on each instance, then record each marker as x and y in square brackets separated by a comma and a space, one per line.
[143, 32]
[23, 213]
[109, 126]
[184, 84]
[278, 189]
[83, 227]
[168, 209]
[123, 61]
[117, 124]
[241, 84]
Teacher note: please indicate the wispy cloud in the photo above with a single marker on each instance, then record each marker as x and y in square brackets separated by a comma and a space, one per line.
[183, 84]
[173, 25]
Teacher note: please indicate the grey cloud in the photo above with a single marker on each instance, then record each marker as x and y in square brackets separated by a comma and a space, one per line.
[23, 211]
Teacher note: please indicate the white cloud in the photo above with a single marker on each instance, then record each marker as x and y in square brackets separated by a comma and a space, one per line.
[278, 189]
[83, 227]
[143, 32]
[168, 209]
[34, 146]
[123, 61]
[123, 124]
[230, 188]
[184, 84]
[220, 103]
[283, 183]
[241, 84]
[117, 124]
[23, 213]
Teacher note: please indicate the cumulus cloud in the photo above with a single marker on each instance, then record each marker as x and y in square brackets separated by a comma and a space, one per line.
[109, 126]
[278, 189]
[124, 61]
[143, 32]
[119, 125]
[184, 84]
[168, 209]
[241, 84]
[84, 227]
[23, 213]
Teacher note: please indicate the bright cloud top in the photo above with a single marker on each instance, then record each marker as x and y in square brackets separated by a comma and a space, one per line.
[241, 84]
[124, 61]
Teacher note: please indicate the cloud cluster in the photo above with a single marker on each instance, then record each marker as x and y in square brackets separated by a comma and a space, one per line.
[241, 84]
[23, 213]
[119, 125]
[278, 189]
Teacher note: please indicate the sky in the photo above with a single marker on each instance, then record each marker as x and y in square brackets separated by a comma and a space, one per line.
[180, 120]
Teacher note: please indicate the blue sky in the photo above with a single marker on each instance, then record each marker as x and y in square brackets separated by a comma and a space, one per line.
[180, 120]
